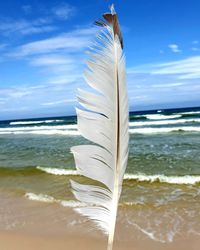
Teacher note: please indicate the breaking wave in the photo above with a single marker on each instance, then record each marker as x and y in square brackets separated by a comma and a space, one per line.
[57, 171]
[187, 179]
[164, 130]
[161, 117]
[71, 129]
[34, 122]
[164, 122]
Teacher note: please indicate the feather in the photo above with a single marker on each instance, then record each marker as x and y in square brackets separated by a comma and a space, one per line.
[103, 121]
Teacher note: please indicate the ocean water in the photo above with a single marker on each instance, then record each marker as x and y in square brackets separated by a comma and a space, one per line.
[161, 184]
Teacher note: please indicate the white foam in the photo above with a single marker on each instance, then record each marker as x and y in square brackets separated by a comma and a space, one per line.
[72, 204]
[63, 131]
[163, 122]
[187, 179]
[36, 128]
[164, 130]
[161, 117]
[190, 113]
[58, 171]
[150, 234]
[50, 199]
[44, 130]
[40, 197]
[34, 122]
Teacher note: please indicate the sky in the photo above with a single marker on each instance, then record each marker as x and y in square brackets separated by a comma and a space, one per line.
[43, 50]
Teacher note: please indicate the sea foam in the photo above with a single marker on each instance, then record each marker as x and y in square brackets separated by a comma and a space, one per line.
[34, 122]
[161, 117]
[187, 179]
[164, 130]
[50, 199]
[57, 171]
[40, 197]
[163, 122]
[71, 131]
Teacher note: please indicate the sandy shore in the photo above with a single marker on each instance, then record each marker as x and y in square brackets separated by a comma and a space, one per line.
[23, 241]
[32, 225]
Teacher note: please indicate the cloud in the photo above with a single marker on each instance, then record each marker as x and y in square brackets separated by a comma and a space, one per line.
[51, 59]
[46, 21]
[71, 41]
[55, 103]
[174, 48]
[64, 11]
[59, 58]
[170, 84]
[167, 85]
[188, 68]
[37, 100]
[58, 66]
[15, 93]
[25, 27]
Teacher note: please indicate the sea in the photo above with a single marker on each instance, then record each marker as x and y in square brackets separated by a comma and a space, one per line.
[161, 188]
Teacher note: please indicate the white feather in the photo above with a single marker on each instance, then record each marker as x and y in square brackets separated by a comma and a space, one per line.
[104, 122]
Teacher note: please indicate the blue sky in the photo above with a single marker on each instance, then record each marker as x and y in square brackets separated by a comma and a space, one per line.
[43, 45]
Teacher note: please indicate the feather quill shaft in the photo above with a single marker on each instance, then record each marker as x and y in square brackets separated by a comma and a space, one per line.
[104, 121]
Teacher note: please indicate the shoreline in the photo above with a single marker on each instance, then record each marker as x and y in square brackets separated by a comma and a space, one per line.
[49, 226]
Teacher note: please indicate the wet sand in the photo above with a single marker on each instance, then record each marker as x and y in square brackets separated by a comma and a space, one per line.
[31, 225]
[23, 241]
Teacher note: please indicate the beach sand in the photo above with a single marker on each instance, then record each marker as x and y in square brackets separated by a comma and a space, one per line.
[24, 241]
[32, 225]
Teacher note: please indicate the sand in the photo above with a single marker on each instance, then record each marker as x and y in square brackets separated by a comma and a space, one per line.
[23, 241]
[32, 225]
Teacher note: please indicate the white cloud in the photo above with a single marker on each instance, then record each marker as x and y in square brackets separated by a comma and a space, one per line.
[161, 85]
[64, 11]
[71, 41]
[55, 103]
[59, 70]
[16, 93]
[174, 48]
[188, 68]
[51, 59]
[36, 100]
[25, 27]
[167, 85]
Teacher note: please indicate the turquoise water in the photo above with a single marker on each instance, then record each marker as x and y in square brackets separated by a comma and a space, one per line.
[162, 143]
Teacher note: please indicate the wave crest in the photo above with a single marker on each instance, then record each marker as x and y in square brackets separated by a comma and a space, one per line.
[34, 122]
[187, 179]
[140, 177]
[58, 171]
